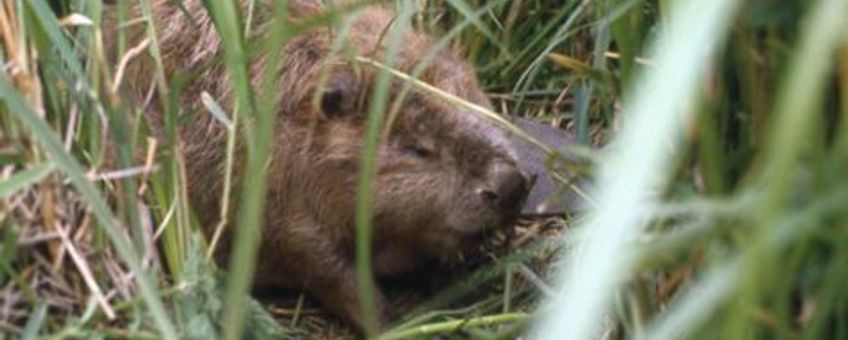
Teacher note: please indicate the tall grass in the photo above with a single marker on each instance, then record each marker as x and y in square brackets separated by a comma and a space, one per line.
[37, 18]
[720, 186]
[635, 168]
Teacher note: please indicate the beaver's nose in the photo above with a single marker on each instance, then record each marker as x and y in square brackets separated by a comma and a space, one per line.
[505, 187]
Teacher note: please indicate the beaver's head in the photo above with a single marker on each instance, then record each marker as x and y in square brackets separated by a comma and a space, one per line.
[443, 174]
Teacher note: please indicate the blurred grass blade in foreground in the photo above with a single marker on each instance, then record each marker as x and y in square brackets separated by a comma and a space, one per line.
[637, 165]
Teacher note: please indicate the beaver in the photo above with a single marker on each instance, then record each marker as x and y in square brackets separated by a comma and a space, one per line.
[444, 177]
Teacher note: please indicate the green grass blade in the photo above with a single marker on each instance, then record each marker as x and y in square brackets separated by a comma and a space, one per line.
[798, 105]
[35, 322]
[47, 20]
[215, 109]
[24, 179]
[258, 122]
[693, 306]
[453, 326]
[529, 75]
[801, 93]
[637, 164]
[425, 62]
[469, 15]
[368, 170]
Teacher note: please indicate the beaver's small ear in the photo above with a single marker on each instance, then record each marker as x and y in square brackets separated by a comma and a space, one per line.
[339, 96]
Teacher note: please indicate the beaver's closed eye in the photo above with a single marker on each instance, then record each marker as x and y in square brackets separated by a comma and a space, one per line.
[418, 151]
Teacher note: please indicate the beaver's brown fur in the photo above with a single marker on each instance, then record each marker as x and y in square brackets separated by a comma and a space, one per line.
[444, 176]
